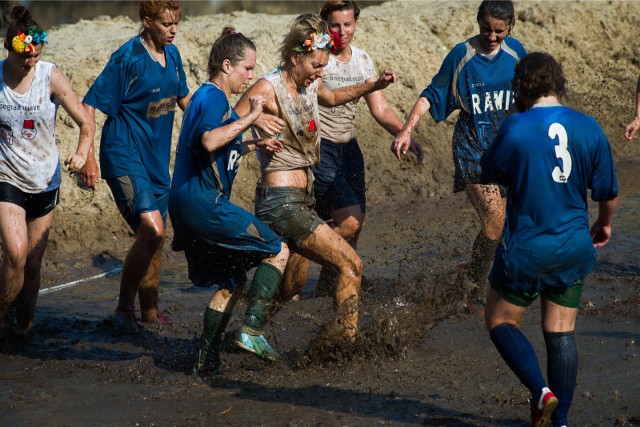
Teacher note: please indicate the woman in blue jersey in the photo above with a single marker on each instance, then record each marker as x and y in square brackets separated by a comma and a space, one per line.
[548, 157]
[138, 90]
[221, 240]
[284, 196]
[30, 92]
[474, 78]
[339, 184]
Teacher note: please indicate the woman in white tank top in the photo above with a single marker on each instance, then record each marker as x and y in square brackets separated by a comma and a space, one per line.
[284, 197]
[30, 92]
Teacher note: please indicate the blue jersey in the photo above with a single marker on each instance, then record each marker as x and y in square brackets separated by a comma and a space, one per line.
[478, 86]
[139, 97]
[199, 202]
[548, 157]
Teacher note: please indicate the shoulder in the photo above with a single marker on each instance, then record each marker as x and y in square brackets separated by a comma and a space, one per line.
[515, 46]
[173, 52]
[357, 52]
[129, 51]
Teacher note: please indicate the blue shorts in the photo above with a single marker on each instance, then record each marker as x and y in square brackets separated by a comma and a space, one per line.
[134, 196]
[339, 178]
[221, 241]
[36, 205]
[288, 211]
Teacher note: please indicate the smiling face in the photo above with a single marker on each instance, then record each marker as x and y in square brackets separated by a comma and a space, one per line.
[241, 73]
[162, 30]
[344, 23]
[308, 68]
[492, 32]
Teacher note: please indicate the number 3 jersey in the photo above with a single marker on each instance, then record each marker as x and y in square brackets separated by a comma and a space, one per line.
[548, 157]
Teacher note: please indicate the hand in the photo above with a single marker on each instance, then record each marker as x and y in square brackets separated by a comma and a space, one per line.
[386, 78]
[401, 143]
[632, 128]
[417, 150]
[89, 173]
[75, 162]
[256, 103]
[600, 234]
[270, 124]
[269, 145]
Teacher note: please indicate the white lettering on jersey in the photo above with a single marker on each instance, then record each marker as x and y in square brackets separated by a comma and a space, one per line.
[234, 157]
[493, 101]
[475, 101]
[561, 175]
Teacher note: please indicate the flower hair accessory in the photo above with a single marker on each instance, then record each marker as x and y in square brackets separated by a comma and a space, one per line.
[27, 42]
[325, 41]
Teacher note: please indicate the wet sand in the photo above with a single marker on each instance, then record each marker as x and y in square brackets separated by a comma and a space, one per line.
[420, 359]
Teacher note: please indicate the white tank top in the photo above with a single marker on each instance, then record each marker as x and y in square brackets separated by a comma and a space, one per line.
[301, 136]
[28, 155]
[339, 123]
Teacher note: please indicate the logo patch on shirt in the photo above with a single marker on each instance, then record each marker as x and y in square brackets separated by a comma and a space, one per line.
[164, 106]
[6, 133]
[29, 130]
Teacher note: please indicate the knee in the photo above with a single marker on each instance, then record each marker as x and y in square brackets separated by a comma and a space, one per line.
[151, 234]
[350, 228]
[15, 255]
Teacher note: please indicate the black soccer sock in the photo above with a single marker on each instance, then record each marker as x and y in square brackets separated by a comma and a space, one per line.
[562, 371]
[264, 286]
[518, 353]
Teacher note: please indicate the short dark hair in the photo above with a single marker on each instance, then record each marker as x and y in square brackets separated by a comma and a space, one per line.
[333, 5]
[539, 74]
[498, 9]
[230, 45]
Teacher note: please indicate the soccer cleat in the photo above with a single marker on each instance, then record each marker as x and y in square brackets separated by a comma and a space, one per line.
[208, 361]
[253, 341]
[541, 412]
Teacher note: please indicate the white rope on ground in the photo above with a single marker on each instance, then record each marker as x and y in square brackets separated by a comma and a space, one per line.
[76, 282]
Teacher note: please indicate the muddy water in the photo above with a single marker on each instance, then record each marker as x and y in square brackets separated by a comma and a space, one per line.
[420, 359]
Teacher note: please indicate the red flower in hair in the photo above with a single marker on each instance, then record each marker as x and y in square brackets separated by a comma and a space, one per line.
[312, 126]
[336, 41]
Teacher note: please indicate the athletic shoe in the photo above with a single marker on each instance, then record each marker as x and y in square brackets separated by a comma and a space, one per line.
[541, 412]
[163, 319]
[253, 341]
[208, 362]
[123, 321]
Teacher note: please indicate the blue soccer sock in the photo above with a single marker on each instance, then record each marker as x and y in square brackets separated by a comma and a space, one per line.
[562, 371]
[518, 353]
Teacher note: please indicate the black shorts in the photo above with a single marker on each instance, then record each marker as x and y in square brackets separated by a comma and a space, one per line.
[36, 205]
[339, 178]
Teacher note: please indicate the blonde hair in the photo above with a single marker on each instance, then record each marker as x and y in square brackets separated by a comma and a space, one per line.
[300, 30]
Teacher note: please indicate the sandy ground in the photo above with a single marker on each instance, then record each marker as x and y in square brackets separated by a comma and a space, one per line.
[419, 359]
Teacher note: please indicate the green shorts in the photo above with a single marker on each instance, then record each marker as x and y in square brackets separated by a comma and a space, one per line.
[564, 296]
[289, 211]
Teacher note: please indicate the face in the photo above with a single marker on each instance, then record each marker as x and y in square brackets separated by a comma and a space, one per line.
[241, 73]
[344, 23]
[308, 68]
[164, 29]
[492, 32]
[23, 63]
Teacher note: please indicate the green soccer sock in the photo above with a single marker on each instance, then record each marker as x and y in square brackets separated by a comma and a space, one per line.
[215, 322]
[264, 286]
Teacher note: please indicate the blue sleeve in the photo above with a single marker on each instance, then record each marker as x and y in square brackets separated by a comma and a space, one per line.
[440, 92]
[183, 89]
[107, 92]
[210, 107]
[603, 181]
[516, 46]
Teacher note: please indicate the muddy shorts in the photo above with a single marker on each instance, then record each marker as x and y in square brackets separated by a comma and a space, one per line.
[134, 196]
[288, 211]
[564, 296]
[36, 205]
[339, 178]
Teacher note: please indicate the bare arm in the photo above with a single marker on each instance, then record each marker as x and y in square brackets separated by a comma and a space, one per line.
[332, 98]
[62, 91]
[219, 137]
[402, 141]
[182, 102]
[632, 128]
[601, 229]
[389, 120]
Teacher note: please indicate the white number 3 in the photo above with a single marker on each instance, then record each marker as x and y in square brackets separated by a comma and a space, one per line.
[561, 175]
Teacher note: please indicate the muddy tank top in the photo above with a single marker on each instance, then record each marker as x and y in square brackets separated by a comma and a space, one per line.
[28, 154]
[301, 136]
